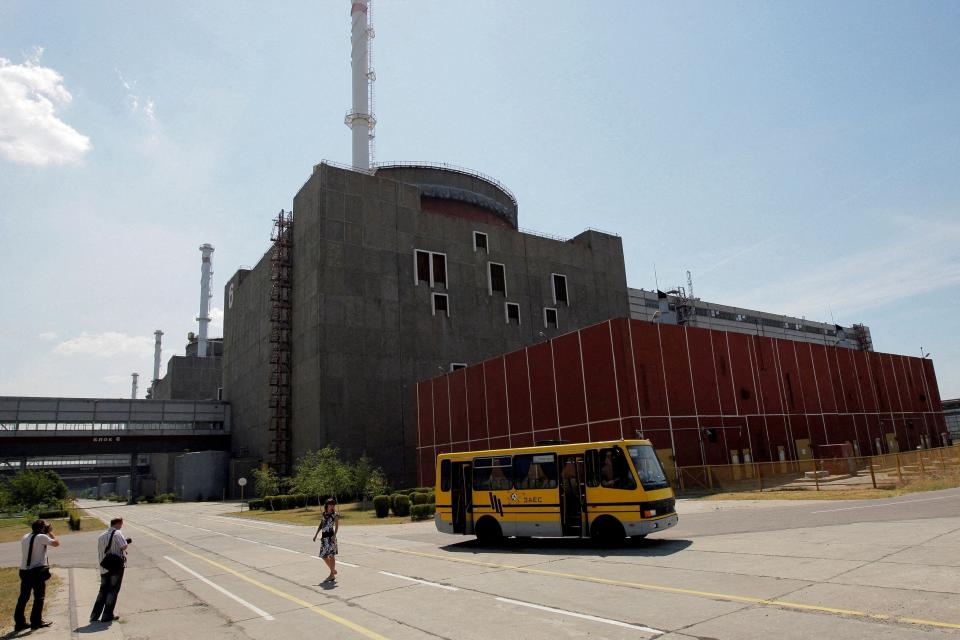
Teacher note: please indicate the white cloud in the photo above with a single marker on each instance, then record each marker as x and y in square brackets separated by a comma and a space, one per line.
[48, 335]
[138, 105]
[30, 131]
[109, 344]
[922, 259]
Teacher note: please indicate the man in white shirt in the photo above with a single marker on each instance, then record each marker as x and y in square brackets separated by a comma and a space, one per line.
[34, 573]
[112, 542]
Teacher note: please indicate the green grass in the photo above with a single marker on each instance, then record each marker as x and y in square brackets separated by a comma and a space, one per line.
[10, 590]
[12, 529]
[350, 514]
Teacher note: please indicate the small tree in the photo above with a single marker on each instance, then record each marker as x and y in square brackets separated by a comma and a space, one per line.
[265, 482]
[322, 473]
[33, 488]
[367, 480]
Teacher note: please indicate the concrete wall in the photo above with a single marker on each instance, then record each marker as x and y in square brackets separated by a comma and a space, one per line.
[189, 378]
[364, 331]
[246, 336]
[201, 475]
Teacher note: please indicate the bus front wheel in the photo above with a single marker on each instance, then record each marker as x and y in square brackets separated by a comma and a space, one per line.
[607, 530]
[488, 530]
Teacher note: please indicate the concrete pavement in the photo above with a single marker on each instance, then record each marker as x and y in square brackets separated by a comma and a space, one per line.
[878, 569]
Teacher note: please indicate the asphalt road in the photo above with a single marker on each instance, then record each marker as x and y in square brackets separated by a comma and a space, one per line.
[837, 570]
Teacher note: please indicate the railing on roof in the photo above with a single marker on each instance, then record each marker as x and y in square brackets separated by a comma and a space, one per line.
[550, 236]
[427, 165]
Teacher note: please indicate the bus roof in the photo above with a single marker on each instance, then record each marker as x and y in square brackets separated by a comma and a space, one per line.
[566, 447]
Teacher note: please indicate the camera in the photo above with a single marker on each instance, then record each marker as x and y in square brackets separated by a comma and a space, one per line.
[129, 540]
[48, 528]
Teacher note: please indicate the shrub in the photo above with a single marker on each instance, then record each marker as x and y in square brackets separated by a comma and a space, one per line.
[52, 513]
[165, 497]
[393, 500]
[424, 489]
[401, 506]
[142, 500]
[419, 497]
[74, 521]
[381, 505]
[256, 503]
[431, 497]
[422, 511]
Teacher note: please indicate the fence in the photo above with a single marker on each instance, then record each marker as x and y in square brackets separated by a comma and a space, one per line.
[861, 472]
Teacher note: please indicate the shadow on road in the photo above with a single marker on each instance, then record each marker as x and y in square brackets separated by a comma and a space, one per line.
[569, 546]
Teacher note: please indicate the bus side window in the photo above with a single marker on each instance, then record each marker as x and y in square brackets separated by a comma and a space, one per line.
[614, 470]
[492, 474]
[535, 471]
[444, 475]
[593, 474]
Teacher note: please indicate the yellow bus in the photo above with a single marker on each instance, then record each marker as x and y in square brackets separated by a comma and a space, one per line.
[601, 490]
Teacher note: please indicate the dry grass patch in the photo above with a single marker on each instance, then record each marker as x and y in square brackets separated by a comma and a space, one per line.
[10, 591]
[835, 493]
[350, 512]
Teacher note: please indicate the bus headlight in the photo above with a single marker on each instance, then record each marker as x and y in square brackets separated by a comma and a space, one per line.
[649, 513]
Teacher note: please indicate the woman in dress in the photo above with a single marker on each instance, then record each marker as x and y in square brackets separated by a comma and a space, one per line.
[327, 530]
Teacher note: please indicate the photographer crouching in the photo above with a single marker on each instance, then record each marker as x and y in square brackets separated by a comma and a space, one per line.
[112, 554]
[34, 573]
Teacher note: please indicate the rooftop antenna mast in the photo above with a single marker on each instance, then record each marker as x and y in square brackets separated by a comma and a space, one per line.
[360, 118]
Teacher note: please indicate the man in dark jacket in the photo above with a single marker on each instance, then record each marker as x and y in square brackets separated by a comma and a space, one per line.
[34, 572]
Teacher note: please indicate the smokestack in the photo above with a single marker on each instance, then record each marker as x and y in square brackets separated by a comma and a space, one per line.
[360, 118]
[156, 355]
[133, 390]
[206, 250]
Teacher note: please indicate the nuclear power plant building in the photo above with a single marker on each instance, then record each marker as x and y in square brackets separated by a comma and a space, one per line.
[383, 278]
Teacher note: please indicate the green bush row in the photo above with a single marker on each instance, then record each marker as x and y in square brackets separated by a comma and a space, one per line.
[422, 511]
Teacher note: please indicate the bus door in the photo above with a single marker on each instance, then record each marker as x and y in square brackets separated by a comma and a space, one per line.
[573, 495]
[461, 497]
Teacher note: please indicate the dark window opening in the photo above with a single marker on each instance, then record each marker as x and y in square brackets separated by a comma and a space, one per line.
[560, 289]
[456, 366]
[513, 313]
[440, 304]
[744, 393]
[440, 269]
[480, 241]
[550, 318]
[423, 267]
[498, 279]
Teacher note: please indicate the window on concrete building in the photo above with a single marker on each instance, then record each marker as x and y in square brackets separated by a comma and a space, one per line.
[439, 269]
[497, 278]
[422, 264]
[559, 288]
[431, 268]
[441, 304]
[549, 318]
[480, 242]
[454, 366]
[512, 312]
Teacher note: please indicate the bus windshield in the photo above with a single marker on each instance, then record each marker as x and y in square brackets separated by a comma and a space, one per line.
[648, 467]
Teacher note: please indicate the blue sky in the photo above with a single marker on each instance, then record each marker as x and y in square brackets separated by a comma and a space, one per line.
[801, 158]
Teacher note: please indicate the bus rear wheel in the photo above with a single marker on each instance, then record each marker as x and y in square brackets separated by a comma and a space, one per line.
[607, 530]
[488, 531]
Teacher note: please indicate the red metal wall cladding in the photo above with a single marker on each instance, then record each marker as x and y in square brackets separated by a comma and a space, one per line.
[699, 393]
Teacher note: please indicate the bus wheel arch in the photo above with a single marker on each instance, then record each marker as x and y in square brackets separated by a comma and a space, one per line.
[607, 529]
[488, 530]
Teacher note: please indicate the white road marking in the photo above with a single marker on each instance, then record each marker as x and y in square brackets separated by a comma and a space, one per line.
[244, 539]
[429, 584]
[584, 616]
[273, 546]
[888, 504]
[257, 610]
[346, 564]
